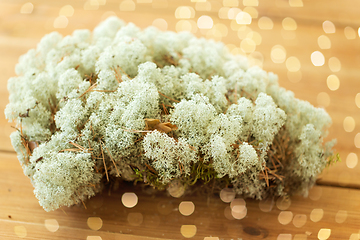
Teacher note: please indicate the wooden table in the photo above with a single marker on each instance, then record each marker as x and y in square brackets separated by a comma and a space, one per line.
[332, 210]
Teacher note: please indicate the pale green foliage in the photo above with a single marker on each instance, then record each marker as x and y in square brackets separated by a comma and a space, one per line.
[83, 103]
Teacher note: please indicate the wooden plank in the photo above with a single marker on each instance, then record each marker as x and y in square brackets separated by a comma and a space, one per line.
[157, 215]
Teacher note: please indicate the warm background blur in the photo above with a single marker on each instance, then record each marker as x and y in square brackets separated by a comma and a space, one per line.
[314, 47]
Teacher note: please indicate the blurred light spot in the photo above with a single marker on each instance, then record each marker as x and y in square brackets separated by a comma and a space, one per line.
[186, 208]
[135, 219]
[317, 58]
[334, 64]
[328, 27]
[251, 11]
[283, 203]
[294, 77]
[324, 42]
[186, 25]
[341, 216]
[357, 100]
[293, 64]
[357, 140]
[349, 124]
[243, 32]
[243, 18]
[278, 54]
[91, 5]
[27, 8]
[299, 220]
[205, 22]
[127, 6]
[359, 31]
[323, 99]
[354, 236]
[285, 217]
[66, 11]
[333, 82]
[227, 195]
[349, 33]
[160, 23]
[316, 214]
[284, 236]
[227, 213]
[203, 6]
[247, 45]
[289, 24]
[351, 160]
[300, 237]
[296, 3]
[165, 207]
[94, 223]
[176, 188]
[222, 28]
[324, 233]
[223, 12]
[20, 231]
[188, 231]
[93, 238]
[184, 12]
[211, 238]
[266, 205]
[239, 203]
[230, 3]
[251, 3]
[315, 193]
[255, 36]
[159, 3]
[265, 23]
[233, 12]
[61, 22]
[52, 225]
[129, 199]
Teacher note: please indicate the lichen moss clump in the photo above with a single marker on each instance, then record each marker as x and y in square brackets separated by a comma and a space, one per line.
[159, 108]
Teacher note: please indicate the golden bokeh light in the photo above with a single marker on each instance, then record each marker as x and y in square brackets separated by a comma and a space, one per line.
[186, 25]
[20, 231]
[94, 223]
[324, 42]
[251, 11]
[351, 160]
[184, 12]
[349, 33]
[328, 27]
[247, 45]
[278, 54]
[129, 199]
[266, 205]
[93, 238]
[227, 195]
[188, 231]
[317, 59]
[324, 233]
[284, 236]
[357, 100]
[233, 12]
[289, 24]
[299, 220]
[300, 237]
[296, 3]
[205, 22]
[243, 32]
[357, 140]
[316, 214]
[255, 36]
[334, 64]
[349, 124]
[293, 64]
[27, 8]
[186, 208]
[265, 23]
[243, 18]
[160, 23]
[127, 6]
[285, 217]
[251, 3]
[61, 22]
[323, 99]
[333, 82]
[91, 5]
[66, 11]
[203, 6]
[223, 12]
[51, 225]
[341, 216]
